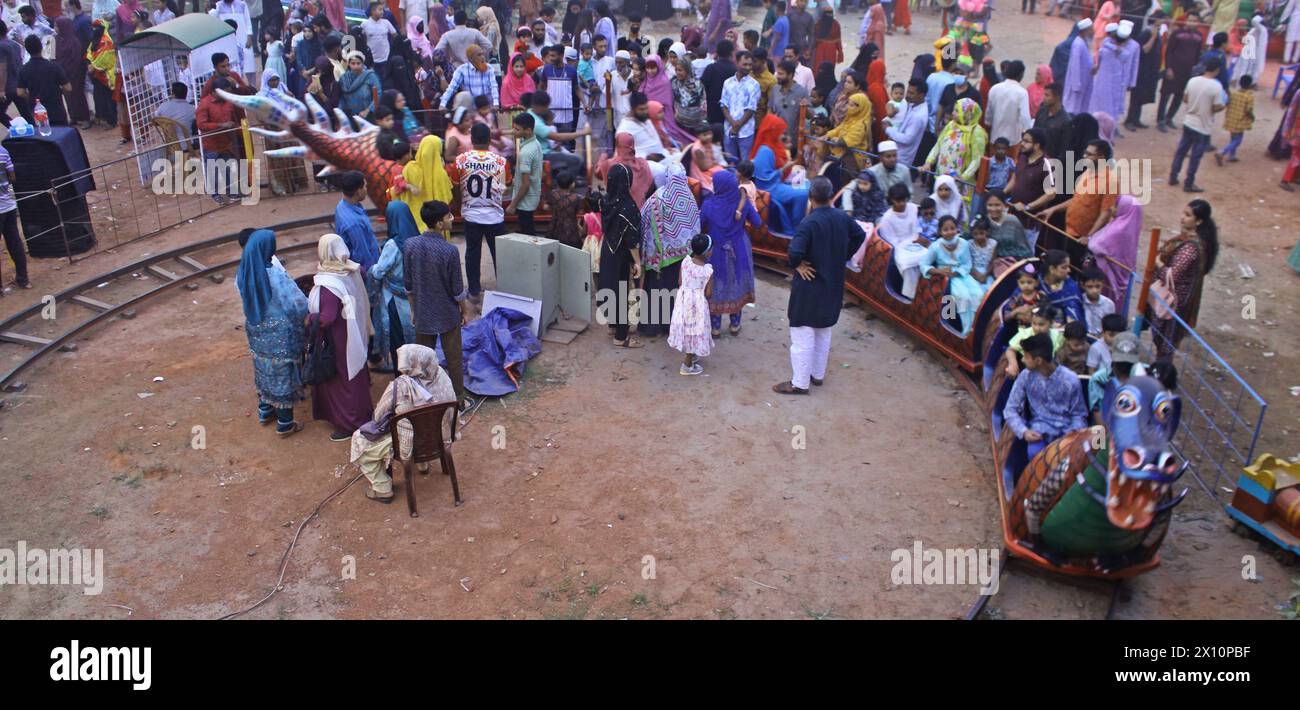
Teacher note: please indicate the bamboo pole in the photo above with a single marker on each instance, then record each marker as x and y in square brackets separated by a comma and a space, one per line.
[1153, 250]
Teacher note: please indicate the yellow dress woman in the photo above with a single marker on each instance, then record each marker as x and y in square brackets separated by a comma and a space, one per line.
[426, 178]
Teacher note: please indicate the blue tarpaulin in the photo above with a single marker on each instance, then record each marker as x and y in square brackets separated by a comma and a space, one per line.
[496, 347]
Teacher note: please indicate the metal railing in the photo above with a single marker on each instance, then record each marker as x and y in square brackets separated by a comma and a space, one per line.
[135, 196]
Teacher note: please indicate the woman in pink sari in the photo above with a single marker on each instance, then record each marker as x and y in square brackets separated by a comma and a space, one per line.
[1118, 242]
[1042, 80]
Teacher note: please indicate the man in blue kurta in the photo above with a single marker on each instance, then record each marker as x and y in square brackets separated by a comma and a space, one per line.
[821, 246]
[351, 222]
[1078, 76]
[1117, 64]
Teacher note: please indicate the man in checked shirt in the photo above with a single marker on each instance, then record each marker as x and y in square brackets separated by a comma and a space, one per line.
[439, 302]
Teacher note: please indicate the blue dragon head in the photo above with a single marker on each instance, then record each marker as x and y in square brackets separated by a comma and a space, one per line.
[1141, 417]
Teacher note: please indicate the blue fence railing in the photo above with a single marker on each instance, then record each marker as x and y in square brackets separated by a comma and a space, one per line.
[1222, 415]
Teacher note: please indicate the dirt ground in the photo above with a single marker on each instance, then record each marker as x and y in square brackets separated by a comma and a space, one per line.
[622, 489]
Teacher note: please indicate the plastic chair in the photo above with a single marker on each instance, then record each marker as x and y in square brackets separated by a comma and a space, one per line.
[1281, 73]
[427, 444]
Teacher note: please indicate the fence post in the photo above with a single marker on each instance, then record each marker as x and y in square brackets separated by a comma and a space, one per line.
[248, 147]
[1147, 274]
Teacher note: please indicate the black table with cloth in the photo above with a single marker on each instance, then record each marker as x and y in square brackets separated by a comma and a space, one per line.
[41, 162]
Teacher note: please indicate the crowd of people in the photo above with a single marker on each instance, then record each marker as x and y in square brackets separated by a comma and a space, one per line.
[966, 165]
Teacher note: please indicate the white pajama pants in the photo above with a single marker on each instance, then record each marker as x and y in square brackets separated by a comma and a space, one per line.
[809, 349]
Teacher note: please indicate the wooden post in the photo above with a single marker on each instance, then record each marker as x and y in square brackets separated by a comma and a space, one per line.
[1147, 275]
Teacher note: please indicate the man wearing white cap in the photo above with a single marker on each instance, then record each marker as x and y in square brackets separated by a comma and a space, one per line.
[887, 170]
[1078, 75]
[1116, 71]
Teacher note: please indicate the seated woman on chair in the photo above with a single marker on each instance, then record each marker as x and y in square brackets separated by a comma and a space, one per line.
[420, 381]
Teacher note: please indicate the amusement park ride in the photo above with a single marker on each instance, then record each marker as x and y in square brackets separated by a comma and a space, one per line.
[1095, 503]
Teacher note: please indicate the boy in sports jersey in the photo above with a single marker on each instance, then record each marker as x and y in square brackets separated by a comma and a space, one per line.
[482, 177]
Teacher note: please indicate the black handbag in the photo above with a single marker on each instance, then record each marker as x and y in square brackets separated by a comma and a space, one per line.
[319, 365]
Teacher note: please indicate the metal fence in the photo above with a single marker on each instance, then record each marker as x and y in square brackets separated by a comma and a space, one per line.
[1222, 415]
[144, 193]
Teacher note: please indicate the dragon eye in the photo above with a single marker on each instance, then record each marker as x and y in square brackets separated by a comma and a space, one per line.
[1126, 404]
[1163, 410]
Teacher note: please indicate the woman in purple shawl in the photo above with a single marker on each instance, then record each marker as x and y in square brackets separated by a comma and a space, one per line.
[437, 22]
[659, 88]
[732, 259]
[70, 55]
[1118, 242]
[718, 24]
[692, 37]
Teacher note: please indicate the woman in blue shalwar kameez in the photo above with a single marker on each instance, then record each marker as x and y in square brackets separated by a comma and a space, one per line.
[951, 254]
[788, 203]
[274, 312]
[390, 304]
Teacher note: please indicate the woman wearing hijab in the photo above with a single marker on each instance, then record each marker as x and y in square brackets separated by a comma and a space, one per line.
[569, 25]
[620, 248]
[437, 22]
[642, 180]
[788, 203]
[1115, 247]
[274, 311]
[768, 134]
[340, 310]
[275, 60]
[824, 82]
[487, 24]
[850, 134]
[124, 19]
[103, 72]
[71, 59]
[420, 381]
[689, 109]
[391, 311]
[358, 87]
[951, 205]
[516, 82]
[1042, 80]
[864, 199]
[723, 216]
[1084, 129]
[850, 86]
[658, 86]
[426, 179]
[827, 42]
[669, 219]
[405, 124]
[951, 257]
[961, 144]
[305, 54]
[419, 41]
[878, 93]
[605, 25]
[659, 119]
[693, 38]
[718, 23]
[323, 86]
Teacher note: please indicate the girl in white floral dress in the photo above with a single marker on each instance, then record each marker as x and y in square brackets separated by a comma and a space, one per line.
[689, 330]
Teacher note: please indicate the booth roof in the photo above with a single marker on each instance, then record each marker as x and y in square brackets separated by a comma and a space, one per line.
[191, 30]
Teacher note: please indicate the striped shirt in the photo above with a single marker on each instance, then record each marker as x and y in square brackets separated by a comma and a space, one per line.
[477, 83]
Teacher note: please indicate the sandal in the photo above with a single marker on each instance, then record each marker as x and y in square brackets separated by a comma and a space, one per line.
[372, 495]
[816, 381]
[629, 343]
[787, 387]
[717, 332]
[297, 427]
[735, 330]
